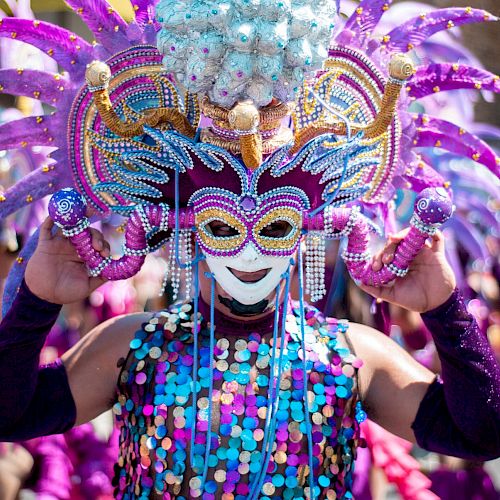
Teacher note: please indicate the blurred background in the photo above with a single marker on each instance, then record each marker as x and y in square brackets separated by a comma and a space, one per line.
[78, 465]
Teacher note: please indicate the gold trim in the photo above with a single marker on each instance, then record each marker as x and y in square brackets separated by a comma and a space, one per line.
[283, 137]
[270, 114]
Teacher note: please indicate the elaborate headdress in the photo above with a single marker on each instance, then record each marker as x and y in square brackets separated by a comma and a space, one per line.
[209, 136]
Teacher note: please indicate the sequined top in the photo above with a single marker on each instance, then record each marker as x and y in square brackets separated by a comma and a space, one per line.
[155, 414]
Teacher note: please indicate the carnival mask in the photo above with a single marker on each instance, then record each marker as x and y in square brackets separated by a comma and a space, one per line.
[247, 240]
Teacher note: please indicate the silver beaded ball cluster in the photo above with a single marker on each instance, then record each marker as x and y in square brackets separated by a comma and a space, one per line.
[244, 49]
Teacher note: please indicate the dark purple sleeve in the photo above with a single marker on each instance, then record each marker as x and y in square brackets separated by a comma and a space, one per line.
[460, 414]
[34, 401]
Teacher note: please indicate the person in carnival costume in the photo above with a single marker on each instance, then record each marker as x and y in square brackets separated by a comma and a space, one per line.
[252, 140]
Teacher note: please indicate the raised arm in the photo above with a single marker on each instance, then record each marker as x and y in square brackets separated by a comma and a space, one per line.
[459, 415]
[37, 401]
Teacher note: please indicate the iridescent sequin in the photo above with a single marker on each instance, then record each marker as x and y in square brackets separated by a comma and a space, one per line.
[156, 417]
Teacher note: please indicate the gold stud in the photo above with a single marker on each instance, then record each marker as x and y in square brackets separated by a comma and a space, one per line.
[13, 34]
[450, 24]
[456, 67]
[359, 11]
[2, 198]
[19, 260]
[39, 119]
[446, 184]
[50, 52]
[438, 144]
[29, 198]
[36, 23]
[24, 144]
[436, 89]
[476, 156]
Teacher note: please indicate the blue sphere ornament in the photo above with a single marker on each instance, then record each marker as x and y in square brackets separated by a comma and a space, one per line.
[67, 208]
[258, 48]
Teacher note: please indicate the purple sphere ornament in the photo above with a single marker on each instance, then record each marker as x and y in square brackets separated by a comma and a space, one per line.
[67, 208]
[434, 206]
[248, 203]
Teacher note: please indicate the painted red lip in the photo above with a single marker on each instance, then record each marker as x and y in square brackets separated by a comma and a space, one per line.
[254, 277]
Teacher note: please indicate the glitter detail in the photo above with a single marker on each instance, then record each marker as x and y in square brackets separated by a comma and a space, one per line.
[156, 420]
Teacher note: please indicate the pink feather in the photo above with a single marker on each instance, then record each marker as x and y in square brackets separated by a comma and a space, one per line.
[434, 132]
[439, 77]
[106, 24]
[39, 85]
[72, 52]
[415, 31]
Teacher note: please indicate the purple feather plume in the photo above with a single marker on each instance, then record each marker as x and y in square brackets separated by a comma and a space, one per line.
[439, 77]
[35, 84]
[434, 132]
[469, 237]
[416, 30]
[423, 177]
[71, 52]
[485, 130]
[29, 131]
[144, 10]
[17, 271]
[366, 17]
[106, 24]
[34, 186]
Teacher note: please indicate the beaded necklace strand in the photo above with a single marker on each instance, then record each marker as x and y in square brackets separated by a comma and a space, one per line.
[274, 381]
[304, 371]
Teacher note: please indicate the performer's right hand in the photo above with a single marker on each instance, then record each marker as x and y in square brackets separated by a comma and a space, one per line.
[55, 273]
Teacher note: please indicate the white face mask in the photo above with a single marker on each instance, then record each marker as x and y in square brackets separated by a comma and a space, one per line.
[249, 261]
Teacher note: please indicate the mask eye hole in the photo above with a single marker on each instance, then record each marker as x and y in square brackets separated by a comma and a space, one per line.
[277, 229]
[221, 229]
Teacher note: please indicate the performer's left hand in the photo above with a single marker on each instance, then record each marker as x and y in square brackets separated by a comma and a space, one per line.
[429, 282]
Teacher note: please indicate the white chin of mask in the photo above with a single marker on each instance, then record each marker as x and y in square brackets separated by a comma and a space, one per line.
[249, 261]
